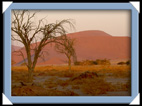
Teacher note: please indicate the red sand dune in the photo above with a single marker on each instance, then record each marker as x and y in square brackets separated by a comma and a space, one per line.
[90, 45]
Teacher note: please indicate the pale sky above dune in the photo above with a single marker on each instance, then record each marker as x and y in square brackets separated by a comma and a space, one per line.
[113, 22]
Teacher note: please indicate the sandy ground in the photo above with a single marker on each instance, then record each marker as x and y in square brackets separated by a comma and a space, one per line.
[109, 81]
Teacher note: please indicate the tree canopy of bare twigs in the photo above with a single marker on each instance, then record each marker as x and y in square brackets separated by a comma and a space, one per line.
[65, 45]
[27, 32]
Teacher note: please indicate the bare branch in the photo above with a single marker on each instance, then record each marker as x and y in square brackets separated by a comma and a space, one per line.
[13, 38]
[41, 55]
[26, 30]
[21, 54]
[65, 45]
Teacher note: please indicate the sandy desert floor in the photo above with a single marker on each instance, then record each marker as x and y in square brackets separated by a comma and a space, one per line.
[96, 80]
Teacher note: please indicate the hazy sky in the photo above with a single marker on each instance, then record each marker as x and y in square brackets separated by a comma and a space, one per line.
[113, 22]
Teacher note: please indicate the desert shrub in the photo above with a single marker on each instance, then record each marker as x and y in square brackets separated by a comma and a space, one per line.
[77, 63]
[121, 63]
[128, 62]
[124, 63]
[92, 62]
[85, 75]
[93, 88]
[102, 62]
[85, 62]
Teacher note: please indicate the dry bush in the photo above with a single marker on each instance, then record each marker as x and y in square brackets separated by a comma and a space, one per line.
[85, 62]
[121, 63]
[92, 62]
[124, 62]
[75, 87]
[29, 91]
[86, 74]
[128, 62]
[92, 85]
[40, 91]
[102, 62]
[96, 86]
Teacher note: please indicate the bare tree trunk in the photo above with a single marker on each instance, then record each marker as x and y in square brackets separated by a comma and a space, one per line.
[30, 77]
[30, 69]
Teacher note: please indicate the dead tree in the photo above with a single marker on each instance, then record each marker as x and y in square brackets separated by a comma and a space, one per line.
[26, 32]
[65, 45]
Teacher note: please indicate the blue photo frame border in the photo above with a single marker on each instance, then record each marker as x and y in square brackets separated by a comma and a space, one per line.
[74, 99]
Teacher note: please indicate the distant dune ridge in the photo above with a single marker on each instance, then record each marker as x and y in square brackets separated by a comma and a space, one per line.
[91, 45]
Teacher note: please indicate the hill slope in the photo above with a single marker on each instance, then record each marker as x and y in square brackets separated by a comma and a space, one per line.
[90, 45]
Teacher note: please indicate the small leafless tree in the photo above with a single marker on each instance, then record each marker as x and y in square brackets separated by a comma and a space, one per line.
[27, 32]
[65, 45]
